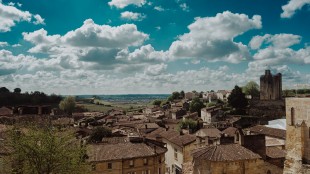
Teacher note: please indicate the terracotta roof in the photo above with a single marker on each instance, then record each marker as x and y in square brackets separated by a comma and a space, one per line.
[274, 152]
[229, 152]
[172, 136]
[272, 132]
[175, 137]
[107, 152]
[230, 131]
[115, 140]
[147, 125]
[209, 132]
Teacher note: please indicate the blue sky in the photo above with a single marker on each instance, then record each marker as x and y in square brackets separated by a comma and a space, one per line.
[151, 46]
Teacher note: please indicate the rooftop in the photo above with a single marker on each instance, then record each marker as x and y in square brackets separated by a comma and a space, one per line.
[268, 131]
[229, 152]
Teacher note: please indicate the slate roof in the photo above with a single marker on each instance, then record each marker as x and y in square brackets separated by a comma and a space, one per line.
[107, 152]
[274, 152]
[230, 131]
[272, 132]
[229, 152]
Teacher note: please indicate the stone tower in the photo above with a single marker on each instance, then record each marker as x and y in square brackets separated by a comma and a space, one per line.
[297, 160]
[271, 86]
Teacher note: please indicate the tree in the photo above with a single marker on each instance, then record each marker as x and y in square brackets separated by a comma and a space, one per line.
[67, 104]
[182, 94]
[43, 150]
[251, 88]
[17, 90]
[188, 123]
[196, 105]
[237, 99]
[157, 102]
[4, 90]
[98, 133]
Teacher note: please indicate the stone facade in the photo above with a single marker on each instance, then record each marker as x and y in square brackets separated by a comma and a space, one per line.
[297, 136]
[271, 86]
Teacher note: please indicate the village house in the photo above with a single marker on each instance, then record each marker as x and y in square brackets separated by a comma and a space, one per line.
[179, 147]
[208, 136]
[208, 114]
[230, 159]
[223, 95]
[129, 155]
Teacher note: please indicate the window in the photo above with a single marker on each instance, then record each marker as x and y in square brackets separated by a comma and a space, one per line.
[93, 167]
[131, 164]
[145, 161]
[146, 172]
[109, 165]
[176, 154]
[159, 170]
[292, 116]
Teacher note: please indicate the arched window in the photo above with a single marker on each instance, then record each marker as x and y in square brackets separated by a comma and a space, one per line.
[268, 172]
[292, 116]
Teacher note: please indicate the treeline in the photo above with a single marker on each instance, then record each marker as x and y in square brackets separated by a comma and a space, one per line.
[16, 97]
[292, 92]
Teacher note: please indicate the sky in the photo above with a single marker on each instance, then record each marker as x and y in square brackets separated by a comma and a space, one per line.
[151, 46]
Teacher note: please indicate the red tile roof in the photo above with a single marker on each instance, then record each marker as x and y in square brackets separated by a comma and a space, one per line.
[268, 131]
[274, 152]
[229, 152]
[107, 152]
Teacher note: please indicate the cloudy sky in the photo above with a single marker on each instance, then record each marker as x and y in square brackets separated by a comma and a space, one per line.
[151, 46]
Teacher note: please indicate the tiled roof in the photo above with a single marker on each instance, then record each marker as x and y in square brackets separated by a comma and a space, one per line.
[230, 131]
[172, 136]
[115, 140]
[272, 132]
[209, 132]
[147, 125]
[229, 152]
[107, 152]
[274, 152]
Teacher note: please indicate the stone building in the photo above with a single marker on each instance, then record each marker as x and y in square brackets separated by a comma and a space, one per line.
[271, 86]
[297, 136]
[120, 155]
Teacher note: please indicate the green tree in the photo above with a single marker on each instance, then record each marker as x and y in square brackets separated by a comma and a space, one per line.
[157, 102]
[196, 105]
[98, 133]
[237, 99]
[188, 123]
[44, 151]
[182, 94]
[67, 104]
[251, 88]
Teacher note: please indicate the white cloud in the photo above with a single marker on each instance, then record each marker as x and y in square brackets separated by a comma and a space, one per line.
[184, 7]
[292, 6]
[125, 3]
[155, 70]
[16, 45]
[159, 8]
[212, 38]
[281, 40]
[10, 15]
[19, 4]
[38, 20]
[11, 3]
[132, 16]
[3, 44]
[158, 28]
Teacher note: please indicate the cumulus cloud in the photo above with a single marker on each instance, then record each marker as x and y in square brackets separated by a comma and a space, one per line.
[281, 40]
[184, 7]
[3, 44]
[10, 15]
[159, 8]
[212, 38]
[292, 6]
[132, 16]
[38, 20]
[155, 70]
[125, 3]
